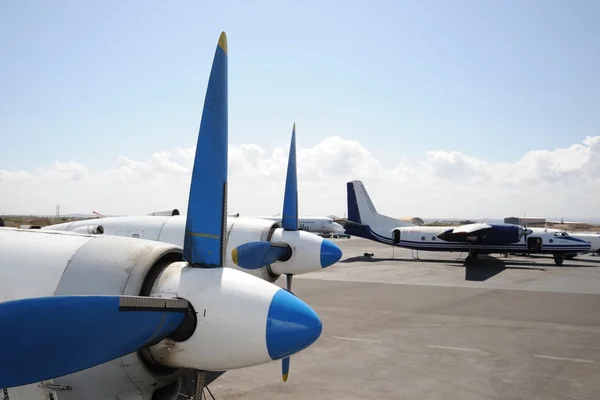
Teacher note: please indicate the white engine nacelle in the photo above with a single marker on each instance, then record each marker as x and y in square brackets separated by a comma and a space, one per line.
[226, 331]
[41, 265]
[310, 252]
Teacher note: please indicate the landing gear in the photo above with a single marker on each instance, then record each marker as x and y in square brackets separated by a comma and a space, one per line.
[472, 257]
[558, 260]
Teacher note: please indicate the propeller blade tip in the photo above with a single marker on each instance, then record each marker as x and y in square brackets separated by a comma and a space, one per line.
[234, 256]
[223, 41]
[284, 377]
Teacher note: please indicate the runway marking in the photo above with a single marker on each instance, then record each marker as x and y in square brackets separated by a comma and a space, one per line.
[453, 348]
[579, 360]
[356, 339]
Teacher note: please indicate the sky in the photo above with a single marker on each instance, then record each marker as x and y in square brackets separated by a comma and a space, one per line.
[443, 109]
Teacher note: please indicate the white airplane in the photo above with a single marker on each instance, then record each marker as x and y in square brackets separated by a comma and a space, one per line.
[102, 317]
[478, 238]
[292, 250]
[317, 225]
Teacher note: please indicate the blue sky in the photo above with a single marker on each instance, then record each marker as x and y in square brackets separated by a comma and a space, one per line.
[91, 81]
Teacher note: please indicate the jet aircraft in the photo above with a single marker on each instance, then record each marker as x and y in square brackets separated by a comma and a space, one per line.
[101, 317]
[478, 238]
[291, 250]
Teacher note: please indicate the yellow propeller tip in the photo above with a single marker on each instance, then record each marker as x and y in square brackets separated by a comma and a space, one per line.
[234, 256]
[223, 41]
[284, 377]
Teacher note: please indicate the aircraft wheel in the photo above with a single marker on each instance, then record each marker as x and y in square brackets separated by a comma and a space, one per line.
[558, 260]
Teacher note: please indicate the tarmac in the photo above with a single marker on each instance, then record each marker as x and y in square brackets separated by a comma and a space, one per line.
[395, 327]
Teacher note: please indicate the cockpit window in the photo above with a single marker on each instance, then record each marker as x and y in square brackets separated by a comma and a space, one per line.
[561, 234]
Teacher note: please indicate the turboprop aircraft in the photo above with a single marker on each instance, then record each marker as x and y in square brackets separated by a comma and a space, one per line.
[478, 238]
[291, 251]
[102, 317]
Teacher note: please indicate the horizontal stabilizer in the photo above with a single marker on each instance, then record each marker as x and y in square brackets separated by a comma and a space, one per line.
[470, 228]
[48, 337]
[255, 255]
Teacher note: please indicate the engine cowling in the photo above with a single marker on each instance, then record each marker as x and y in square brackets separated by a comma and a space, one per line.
[246, 230]
[495, 235]
[68, 264]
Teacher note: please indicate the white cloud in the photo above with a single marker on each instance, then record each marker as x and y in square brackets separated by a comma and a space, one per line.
[561, 182]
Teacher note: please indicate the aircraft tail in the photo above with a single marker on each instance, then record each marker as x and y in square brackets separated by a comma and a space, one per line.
[361, 209]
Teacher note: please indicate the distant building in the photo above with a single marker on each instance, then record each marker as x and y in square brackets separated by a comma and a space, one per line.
[413, 220]
[526, 221]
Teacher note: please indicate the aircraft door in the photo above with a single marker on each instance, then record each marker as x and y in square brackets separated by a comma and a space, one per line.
[134, 233]
[534, 244]
[322, 224]
[396, 236]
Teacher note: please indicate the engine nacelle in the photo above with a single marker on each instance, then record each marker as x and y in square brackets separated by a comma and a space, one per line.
[315, 252]
[309, 252]
[239, 320]
[38, 263]
[495, 235]
[245, 230]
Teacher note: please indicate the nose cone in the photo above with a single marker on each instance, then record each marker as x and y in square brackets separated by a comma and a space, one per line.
[292, 325]
[330, 253]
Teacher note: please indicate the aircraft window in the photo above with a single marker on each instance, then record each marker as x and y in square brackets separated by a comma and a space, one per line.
[551, 240]
[433, 238]
[561, 234]
[422, 237]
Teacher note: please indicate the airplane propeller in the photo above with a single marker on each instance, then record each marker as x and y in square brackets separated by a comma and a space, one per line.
[206, 230]
[289, 221]
[256, 255]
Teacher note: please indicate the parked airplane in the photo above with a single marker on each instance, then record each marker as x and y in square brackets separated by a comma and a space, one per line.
[101, 317]
[317, 225]
[477, 238]
[292, 251]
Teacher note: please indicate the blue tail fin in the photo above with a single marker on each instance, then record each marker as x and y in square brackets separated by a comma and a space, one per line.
[353, 212]
[204, 243]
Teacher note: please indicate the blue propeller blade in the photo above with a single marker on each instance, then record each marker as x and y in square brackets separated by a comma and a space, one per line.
[289, 218]
[255, 255]
[285, 368]
[48, 337]
[205, 227]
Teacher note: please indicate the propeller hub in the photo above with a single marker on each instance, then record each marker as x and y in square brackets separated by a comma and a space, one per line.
[330, 253]
[292, 325]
